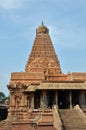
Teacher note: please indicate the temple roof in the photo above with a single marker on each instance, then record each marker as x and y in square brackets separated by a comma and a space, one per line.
[43, 55]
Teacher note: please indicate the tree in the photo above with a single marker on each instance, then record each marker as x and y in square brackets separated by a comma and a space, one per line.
[2, 97]
[6, 100]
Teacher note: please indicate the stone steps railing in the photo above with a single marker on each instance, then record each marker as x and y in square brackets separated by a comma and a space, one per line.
[73, 119]
[57, 120]
[80, 112]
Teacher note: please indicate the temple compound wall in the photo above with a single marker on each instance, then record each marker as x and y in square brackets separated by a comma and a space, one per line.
[43, 84]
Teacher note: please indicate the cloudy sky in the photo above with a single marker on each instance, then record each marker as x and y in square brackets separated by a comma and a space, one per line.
[66, 20]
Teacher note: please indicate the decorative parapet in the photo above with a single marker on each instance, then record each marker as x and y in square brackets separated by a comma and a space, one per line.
[77, 76]
[26, 78]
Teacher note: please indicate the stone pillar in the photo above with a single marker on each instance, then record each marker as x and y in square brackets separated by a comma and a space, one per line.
[82, 99]
[32, 100]
[56, 98]
[44, 100]
[24, 100]
[12, 104]
[12, 99]
[24, 103]
[70, 99]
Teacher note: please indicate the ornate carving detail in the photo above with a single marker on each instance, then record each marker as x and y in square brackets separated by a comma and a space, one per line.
[18, 94]
[18, 85]
[43, 54]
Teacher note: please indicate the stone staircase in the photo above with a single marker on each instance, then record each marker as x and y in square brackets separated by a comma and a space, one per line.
[72, 120]
[46, 118]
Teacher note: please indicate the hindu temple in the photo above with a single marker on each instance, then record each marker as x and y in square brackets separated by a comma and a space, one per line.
[42, 97]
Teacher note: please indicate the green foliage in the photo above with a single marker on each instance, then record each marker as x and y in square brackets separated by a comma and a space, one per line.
[2, 97]
[6, 100]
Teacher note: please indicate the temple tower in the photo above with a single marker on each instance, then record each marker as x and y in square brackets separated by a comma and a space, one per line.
[43, 57]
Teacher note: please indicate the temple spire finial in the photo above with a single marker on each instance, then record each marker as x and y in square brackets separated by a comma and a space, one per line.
[42, 29]
[42, 23]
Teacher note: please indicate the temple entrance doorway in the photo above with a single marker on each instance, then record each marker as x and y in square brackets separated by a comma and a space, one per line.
[50, 98]
[63, 99]
[37, 99]
[75, 97]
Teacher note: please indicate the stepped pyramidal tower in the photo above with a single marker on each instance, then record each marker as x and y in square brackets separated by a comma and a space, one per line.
[43, 56]
[37, 94]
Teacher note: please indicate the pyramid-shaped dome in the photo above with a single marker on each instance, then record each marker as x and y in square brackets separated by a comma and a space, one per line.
[43, 56]
[42, 29]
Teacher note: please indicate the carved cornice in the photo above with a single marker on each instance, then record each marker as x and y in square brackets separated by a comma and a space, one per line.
[18, 85]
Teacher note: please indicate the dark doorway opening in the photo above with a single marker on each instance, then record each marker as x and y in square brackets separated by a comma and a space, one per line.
[63, 99]
[50, 98]
[3, 112]
[85, 99]
[75, 97]
[37, 100]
